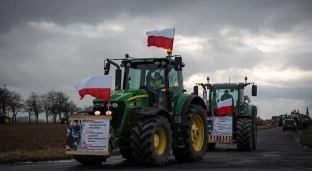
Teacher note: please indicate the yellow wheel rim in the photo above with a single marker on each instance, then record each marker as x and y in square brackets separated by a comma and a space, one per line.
[65, 122]
[160, 141]
[6, 120]
[197, 133]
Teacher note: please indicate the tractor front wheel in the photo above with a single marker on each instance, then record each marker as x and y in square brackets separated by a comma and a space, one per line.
[152, 140]
[244, 134]
[7, 120]
[195, 136]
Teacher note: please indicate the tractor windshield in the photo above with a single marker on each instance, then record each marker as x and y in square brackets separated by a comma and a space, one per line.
[219, 94]
[138, 75]
[295, 116]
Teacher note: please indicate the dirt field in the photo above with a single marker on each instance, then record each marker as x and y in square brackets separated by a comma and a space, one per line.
[35, 142]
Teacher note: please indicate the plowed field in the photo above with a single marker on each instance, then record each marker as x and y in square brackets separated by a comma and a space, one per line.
[35, 142]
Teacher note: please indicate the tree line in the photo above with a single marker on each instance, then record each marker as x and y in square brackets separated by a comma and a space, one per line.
[52, 104]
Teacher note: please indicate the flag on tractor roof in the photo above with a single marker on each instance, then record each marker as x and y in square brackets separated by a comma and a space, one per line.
[161, 38]
[98, 87]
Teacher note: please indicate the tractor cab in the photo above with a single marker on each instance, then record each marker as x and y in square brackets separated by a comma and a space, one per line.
[158, 76]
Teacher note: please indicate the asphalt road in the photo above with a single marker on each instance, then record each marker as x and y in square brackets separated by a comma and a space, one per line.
[277, 150]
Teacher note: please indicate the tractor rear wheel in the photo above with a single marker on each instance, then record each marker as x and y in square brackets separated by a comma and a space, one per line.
[152, 140]
[255, 128]
[196, 136]
[244, 134]
[89, 160]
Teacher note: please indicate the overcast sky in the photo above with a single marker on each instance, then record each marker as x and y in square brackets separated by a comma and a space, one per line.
[51, 45]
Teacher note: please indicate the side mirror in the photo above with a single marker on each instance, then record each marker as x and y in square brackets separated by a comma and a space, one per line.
[254, 90]
[118, 79]
[106, 68]
[178, 63]
[196, 90]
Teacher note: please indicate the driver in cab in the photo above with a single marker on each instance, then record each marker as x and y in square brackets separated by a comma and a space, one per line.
[155, 83]
[226, 95]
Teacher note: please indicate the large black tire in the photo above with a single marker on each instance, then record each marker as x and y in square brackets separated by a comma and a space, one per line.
[89, 160]
[148, 132]
[127, 153]
[254, 128]
[190, 153]
[300, 125]
[244, 134]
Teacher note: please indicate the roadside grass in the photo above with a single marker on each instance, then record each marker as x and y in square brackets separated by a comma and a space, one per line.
[306, 137]
[51, 154]
[262, 127]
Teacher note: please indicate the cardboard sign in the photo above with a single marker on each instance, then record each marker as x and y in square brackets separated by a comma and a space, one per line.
[88, 135]
[222, 126]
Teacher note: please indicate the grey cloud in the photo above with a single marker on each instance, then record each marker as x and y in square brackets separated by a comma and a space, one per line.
[299, 60]
[13, 12]
[253, 15]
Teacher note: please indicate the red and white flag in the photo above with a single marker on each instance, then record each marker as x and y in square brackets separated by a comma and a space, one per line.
[161, 38]
[98, 87]
[224, 107]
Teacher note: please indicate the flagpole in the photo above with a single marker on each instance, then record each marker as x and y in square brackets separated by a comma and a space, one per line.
[173, 40]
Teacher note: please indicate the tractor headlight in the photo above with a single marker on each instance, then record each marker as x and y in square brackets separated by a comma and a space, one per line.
[115, 105]
[108, 112]
[97, 113]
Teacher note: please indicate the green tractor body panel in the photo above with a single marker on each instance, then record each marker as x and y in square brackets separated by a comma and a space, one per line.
[180, 103]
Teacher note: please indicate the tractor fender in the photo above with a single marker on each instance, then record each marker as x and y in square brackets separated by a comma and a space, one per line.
[254, 113]
[156, 111]
[192, 99]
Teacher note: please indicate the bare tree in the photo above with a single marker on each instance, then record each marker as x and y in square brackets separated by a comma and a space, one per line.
[61, 103]
[46, 103]
[28, 108]
[15, 104]
[35, 104]
[4, 96]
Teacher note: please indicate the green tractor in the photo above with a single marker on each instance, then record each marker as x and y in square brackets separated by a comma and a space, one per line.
[64, 119]
[4, 119]
[282, 120]
[148, 123]
[298, 119]
[231, 119]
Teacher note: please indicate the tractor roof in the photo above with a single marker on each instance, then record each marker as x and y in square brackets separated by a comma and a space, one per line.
[225, 85]
[149, 59]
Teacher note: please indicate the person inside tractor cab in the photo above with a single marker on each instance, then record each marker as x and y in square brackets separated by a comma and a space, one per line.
[226, 95]
[154, 85]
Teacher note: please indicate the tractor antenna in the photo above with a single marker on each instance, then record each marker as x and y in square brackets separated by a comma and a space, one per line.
[229, 80]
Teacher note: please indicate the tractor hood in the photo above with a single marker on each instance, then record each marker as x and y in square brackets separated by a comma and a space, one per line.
[123, 95]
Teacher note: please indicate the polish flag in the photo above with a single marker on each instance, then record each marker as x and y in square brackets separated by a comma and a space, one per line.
[224, 107]
[161, 38]
[98, 87]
